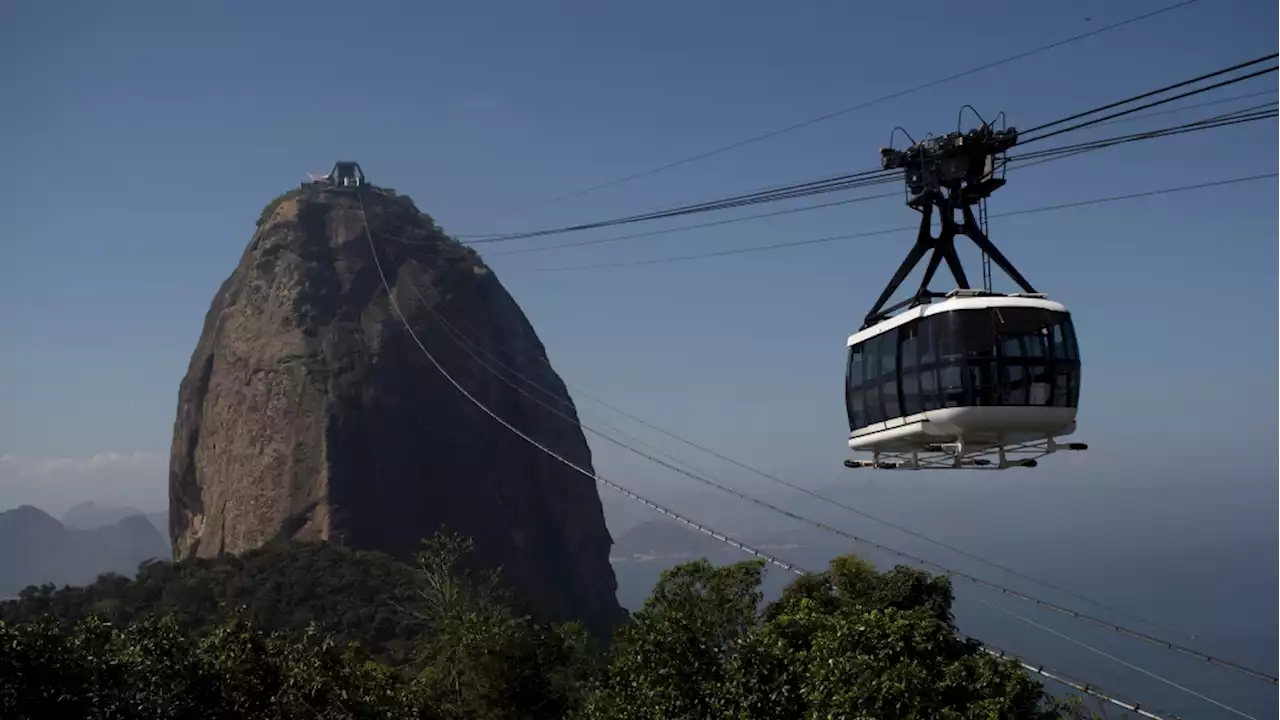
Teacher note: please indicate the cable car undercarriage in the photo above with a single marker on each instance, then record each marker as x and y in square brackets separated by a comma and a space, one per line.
[969, 379]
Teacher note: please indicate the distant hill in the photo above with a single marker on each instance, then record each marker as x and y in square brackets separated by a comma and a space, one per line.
[161, 521]
[664, 539]
[91, 514]
[35, 548]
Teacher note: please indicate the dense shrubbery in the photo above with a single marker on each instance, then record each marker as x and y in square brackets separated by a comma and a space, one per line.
[280, 586]
[283, 632]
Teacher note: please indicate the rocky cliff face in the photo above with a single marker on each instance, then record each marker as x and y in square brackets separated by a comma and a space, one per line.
[309, 412]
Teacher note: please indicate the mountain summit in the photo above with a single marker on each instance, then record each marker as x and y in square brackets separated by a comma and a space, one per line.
[308, 411]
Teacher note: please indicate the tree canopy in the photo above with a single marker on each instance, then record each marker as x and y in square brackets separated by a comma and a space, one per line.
[271, 635]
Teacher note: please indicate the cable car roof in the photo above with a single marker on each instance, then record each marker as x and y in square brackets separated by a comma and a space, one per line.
[957, 302]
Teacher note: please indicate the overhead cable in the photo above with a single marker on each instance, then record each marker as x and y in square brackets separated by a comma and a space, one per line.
[1157, 91]
[1113, 658]
[1015, 162]
[867, 104]
[873, 176]
[794, 569]
[451, 332]
[469, 344]
[887, 231]
[1154, 103]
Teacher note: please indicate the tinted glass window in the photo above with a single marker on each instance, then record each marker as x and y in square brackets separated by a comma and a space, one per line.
[951, 383]
[997, 356]
[976, 332]
[888, 347]
[1063, 338]
[928, 346]
[854, 373]
[1040, 392]
[857, 410]
[871, 360]
[948, 337]
[1013, 390]
[911, 403]
[875, 413]
[889, 396]
[929, 397]
[910, 343]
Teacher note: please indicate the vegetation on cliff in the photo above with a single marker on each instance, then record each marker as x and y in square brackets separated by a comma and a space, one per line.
[306, 630]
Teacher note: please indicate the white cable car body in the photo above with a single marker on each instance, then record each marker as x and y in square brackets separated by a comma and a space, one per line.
[974, 381]
[969, 379]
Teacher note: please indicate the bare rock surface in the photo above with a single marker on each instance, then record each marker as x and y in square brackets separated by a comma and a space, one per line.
[309, 412]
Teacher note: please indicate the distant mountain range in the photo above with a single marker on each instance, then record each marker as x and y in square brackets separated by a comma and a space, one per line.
[91, 515]
[37, 548]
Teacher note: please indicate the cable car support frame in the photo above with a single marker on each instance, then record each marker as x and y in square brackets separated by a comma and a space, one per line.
[951, 175]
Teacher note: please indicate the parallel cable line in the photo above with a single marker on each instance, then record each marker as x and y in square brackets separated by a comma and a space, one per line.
[1076, 685]
[1151, 104]
[835, 183]
[463, 340]
[794, 569]
[1016, 162]
[1195, 106]
[1157, 91]
[884, 98]
[888, 231]
[1113, 658]
[1136, 634]
[815, 187]
[682, 228]
[395, 306]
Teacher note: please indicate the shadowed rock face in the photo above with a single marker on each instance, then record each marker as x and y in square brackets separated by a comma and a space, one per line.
[309, 412]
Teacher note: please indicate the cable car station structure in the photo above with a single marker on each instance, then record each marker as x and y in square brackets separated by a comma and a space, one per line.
[971, 378]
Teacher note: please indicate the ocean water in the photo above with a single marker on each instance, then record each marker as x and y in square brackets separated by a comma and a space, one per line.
[1201, 573]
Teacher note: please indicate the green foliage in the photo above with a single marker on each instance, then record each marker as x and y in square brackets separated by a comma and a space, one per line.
[481, 660]
[272, 634]
[282, 586]
[270, 208]
[154, 670]
[850, 642]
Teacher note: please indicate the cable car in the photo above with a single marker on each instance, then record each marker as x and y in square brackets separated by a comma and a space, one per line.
[969, 379]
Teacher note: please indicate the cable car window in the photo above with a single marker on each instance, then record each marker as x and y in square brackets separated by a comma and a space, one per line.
[1011, 347]
[871, 361]
[875, 413]
[911, 401]
[977, 333]
[983, 390]
[1040, 390]
[888, 346]
[871, 379]
[910, 335]
[1037, 343]
[928, 347]
[952, 386]
[947, 335]
[1013, 391]
[889, 396]
[1064, 345]
[929, 399]
[910, 376]
[857, 409]
[853, 377]
[1062, 386]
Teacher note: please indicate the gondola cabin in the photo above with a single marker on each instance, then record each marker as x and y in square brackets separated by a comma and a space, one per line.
[961, 381]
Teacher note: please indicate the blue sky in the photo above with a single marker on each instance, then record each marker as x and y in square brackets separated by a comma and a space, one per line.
[145, 138]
